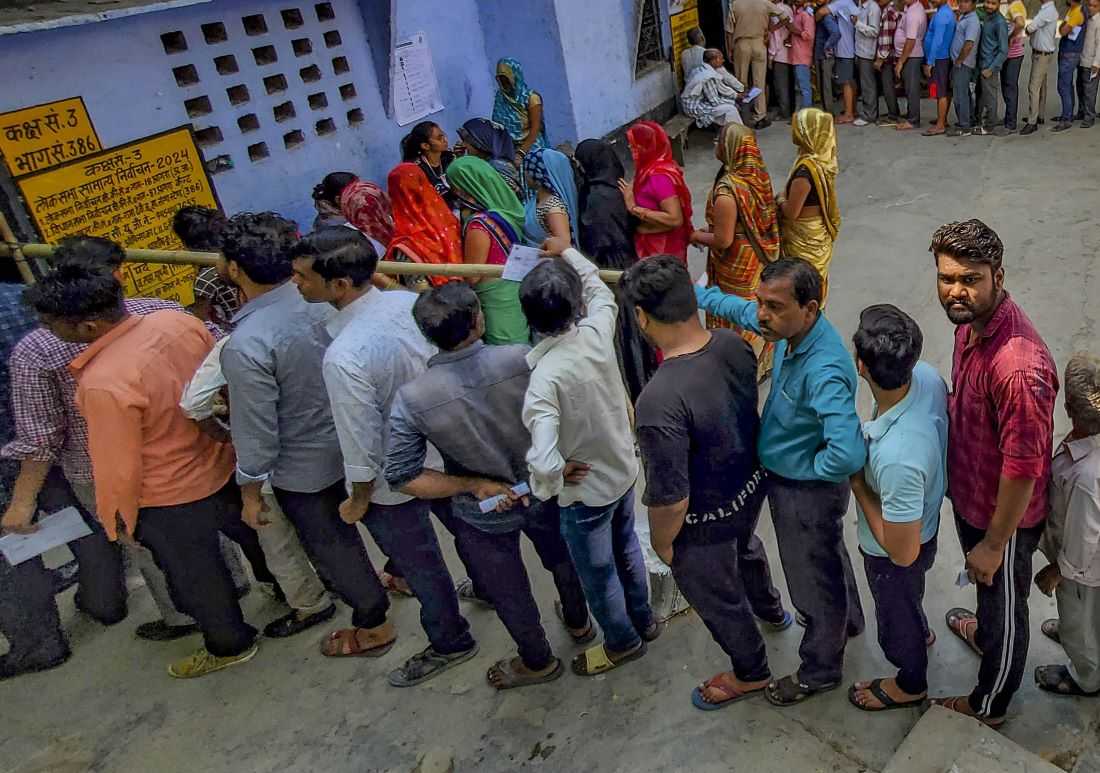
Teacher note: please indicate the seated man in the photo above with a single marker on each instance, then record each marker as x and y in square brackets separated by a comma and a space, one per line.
[693, 56]
[712, 95]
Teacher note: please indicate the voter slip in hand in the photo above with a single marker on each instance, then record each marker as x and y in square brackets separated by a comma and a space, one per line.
[60, 528]
[490, 504]
[521, 260]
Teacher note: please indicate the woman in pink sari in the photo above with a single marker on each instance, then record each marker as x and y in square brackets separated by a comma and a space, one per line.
[659, 198]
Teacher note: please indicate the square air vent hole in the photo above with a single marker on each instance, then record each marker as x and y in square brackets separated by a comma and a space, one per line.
[302, 46]
[275, 83]
[248, 123]
[258, 152]
[214, 32]
[324, 12]
[355, 116]
[186, 75]
[292, 18]
[211, 135]
[340, 65]
[174, 42]
[226, 65]
[238, 94]
[198, 106]
[332, 38]
[318, 101]
[294, 139]
[284, 112]
[347, 91]
[265, 55]
[310, 74]
[254, 25]
[325, 126]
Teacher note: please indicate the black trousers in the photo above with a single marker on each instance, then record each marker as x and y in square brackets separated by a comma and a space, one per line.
[1010, 89]
[184, 542]
[808, 518]
[910, 79]
[441, 508]
[1003, 633]
[781, 78]
[898, 592]
[888, 82]
[756, 578]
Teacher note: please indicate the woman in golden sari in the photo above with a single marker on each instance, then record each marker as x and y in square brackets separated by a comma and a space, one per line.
[742, 227]
[809, 208]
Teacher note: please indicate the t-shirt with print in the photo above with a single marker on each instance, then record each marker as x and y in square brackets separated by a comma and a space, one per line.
[1016, 40]
[697, 427]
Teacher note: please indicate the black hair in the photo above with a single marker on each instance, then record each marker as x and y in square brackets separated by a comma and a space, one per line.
[971, 240]
[420, 134]
[199, 228]
[92, 252]
[889, 342]
[662, 287]
[333, 184]
[552, 296]
[805, 279]
[696, 37]
[447, 314]
[338, 252]
[77, 293]
[260, 244]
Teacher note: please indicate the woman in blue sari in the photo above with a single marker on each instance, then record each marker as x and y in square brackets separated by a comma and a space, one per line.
[551, 200]
[518, 108]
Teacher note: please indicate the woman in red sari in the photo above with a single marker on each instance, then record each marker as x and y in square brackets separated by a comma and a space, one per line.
[424, 228]
[659, 197]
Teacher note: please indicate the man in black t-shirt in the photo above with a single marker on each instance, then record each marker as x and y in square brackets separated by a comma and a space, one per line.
[697, 426]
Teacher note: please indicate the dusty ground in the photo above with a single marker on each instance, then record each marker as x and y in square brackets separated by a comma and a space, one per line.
[113, 707]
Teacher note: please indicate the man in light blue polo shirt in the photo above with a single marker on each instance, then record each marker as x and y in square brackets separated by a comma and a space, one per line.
[898, 497]
[810, 444]
[845, 12]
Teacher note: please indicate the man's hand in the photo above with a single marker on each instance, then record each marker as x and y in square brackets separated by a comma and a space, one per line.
[575, 472]
[1048, 579]
[983, 562]
[879, 62]
[1095, 72]
[897, 70]
[17, 520]
[252, 512]
[987, 73]
[354, 509]
[927, 70]
[858, 481]
[556, 245]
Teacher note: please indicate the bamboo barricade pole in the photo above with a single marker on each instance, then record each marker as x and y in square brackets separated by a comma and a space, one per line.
[13, 249]
[204, 259]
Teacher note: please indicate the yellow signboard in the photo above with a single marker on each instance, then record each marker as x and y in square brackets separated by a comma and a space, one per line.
[681, 23]
[128, 194]
[41, 137]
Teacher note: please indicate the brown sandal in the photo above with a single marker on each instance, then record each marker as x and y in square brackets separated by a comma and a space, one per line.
[955, 702]
[964, 624]
[389, 582]
[510, 678]
[344, 643]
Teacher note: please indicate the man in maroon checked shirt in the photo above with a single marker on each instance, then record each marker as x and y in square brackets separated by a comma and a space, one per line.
[1001, 424]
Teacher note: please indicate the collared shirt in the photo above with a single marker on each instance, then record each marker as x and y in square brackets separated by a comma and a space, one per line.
[223, 297]
[941, 31]
[907, 459]
[968, 28]
[779, 37]
[278, 409]
[376, 349]
[691, 58]
[810, 428]
[888, 27]
[1072, 536]
[844, 10]
[16, 320]
[1001, 409]
[48, 425]
[1073, 41]
[868, 24]
[468, 404]
[994, 46]
[1043, 29]
[750, 18]
[802, 38]
[576, 404]
[911, 26]
[1090, 54]
[1012, 11]
[826, 37]
[145, 452]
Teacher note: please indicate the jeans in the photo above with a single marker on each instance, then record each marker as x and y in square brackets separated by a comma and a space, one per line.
[825, 69]
[804, 95]
[609, 561]
[1068, 64]
[910, 78]
[898, 592]
[1010, 90]
[987, 100]
[961, 76]
[781, 77]
[868, 87]
[1088, 102]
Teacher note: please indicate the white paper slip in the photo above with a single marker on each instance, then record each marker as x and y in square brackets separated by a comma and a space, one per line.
[60, 528]
[964, 577]
[751, 94]
[490, 504]
[520, 262]
[702, 280]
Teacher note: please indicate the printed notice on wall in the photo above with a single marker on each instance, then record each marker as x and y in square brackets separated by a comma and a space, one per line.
[128, 194]
[415, 88]
[45, 136]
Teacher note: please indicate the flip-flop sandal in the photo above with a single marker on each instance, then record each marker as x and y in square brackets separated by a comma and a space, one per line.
[389, 582]
[427, 664]
[513, 679]
[345, 644]
[595, 661]
[933, 133]
[1058, 680]
[583, 638]
[652, 632]
[888, 703]
[1050, 630]
[788, 691]
[931, 640]
[465, 591]
[957, 620]
[701, 703]
[953, 703]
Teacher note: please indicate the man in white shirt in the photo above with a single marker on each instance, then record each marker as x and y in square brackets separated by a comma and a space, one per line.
[582, 448]
[1072, 539]
[868, 22]
[1090, 65]
[1042, 30]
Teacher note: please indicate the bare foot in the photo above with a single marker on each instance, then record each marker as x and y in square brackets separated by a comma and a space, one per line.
[864, 697]
[904, 126]
[368, 638]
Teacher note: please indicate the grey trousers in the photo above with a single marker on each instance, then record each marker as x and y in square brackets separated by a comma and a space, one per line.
[1088, 99]
[987, 100]
[1079, 629]
[825, 70]
[868, 89]
[888, 81]
[910, 78]
[960, 87]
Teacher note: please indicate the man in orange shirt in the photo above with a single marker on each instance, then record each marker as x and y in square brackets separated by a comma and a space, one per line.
[159, 479]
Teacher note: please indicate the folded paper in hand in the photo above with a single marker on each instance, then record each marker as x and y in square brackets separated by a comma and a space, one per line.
[60, 528]
[490, 504]
[750, 95]
[520, 262]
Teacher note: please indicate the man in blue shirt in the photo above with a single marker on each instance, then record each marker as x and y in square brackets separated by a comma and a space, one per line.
[845, 12]
[964, 58]
[937, 62]
[810, 444]
[898, 497]
[826, 38]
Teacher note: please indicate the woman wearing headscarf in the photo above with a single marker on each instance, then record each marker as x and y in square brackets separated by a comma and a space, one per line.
[607, 237]
[492, 221]
[490, 141]
[425, 229]
[518, 108]
[659, 197]
[809, 207]
[341, 198]
[742, 227]
[551, 207]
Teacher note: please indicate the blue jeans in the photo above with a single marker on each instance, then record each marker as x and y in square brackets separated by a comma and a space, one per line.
[608, 558]
[804, 95]
[1067, 68]
[960, 86]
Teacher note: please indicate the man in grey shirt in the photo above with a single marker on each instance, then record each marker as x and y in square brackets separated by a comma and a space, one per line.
[964, 57]
[376, 348]
[468, 404]
[282, 425]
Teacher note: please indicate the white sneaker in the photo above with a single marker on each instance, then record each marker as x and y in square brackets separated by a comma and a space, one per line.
[860, 122]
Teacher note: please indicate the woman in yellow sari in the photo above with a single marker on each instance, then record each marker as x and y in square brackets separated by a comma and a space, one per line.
[809, 208]
[742, 232]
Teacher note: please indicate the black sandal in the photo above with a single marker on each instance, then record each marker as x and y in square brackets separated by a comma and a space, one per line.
[788, 691]
[586, 636]
[888, 704]
[425, 664]
[1058, 680]
[1050, 630]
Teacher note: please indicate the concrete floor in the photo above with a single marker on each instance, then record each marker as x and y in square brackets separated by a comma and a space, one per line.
[113, 707]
